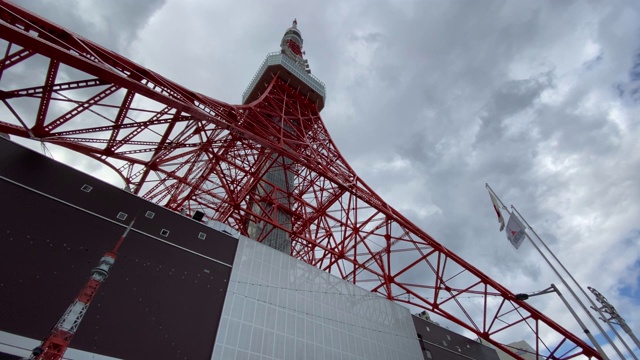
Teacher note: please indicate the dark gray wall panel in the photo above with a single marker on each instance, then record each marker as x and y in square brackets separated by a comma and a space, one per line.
[159, 302]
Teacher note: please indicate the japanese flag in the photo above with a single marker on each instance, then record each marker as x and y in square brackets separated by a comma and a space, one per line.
[515, 231]
[496, 207]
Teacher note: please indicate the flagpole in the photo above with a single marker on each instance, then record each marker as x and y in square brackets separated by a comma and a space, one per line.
[582, 325]
[564, 282]
[496, 195]
[579, 287]
[588, 333]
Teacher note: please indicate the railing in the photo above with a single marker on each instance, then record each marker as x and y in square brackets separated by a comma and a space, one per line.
[277, 58]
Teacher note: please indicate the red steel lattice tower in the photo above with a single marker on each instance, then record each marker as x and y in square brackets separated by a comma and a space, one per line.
[267, 168]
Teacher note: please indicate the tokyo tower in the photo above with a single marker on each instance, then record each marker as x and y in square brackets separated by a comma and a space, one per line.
[268, 168]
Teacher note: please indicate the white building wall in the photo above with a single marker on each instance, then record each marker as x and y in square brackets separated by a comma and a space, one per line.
[278, 307]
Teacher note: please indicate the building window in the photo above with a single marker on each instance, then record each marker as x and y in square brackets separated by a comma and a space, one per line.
[202, 236]
[448, 337]
[428, 353]
[164, 232]
[428, 329]
[150, 214]
[444, 343]
[121, 216]
[86, 188]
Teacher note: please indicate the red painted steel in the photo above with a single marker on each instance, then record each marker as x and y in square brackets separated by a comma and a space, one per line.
[185, 150]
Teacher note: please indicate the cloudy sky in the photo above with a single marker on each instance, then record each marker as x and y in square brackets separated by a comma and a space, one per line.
[430, 100]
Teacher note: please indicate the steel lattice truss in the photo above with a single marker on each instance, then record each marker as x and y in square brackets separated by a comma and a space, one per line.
[184, 150]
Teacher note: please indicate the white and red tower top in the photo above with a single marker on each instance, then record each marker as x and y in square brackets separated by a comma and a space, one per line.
[291, 67]
[291, 43]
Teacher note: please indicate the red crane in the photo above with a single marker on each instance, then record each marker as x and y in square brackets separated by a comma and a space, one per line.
[56, 343]
[185, 150]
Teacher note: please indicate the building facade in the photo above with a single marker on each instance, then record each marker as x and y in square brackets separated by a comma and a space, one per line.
[180, 289]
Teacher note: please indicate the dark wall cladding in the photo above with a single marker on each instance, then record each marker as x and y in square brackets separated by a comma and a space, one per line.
[437, 342]
[164, 296]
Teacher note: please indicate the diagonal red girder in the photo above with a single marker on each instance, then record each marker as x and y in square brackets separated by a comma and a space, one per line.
[10, 59]
[39, 90]
[188, 151]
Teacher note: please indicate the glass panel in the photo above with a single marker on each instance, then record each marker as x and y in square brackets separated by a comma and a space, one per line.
[242, 355]
[233, 333]
[268, 343]
[245, 336]
[256, 340]
[228, 353]
[303, 312]
[280, 319]
[249, 311]
[260, 314]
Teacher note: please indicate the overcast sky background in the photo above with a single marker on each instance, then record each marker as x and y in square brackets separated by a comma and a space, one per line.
[430, 100]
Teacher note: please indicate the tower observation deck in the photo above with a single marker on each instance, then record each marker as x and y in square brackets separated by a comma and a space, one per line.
[289, 65]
